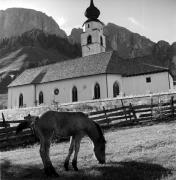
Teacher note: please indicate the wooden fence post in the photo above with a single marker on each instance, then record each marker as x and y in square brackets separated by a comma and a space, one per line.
[172, 106]
[151, 108]
[129, 112]
[124, 110]
[6, 125]
[133, 112]
[107, 119]
[4, 122]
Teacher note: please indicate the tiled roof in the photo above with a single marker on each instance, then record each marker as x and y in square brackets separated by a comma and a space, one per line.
[84, 66]
[107, 62]
[134, 67]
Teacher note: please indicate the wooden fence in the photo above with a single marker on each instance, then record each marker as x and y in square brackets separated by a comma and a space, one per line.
[117, 117]
[135, 115]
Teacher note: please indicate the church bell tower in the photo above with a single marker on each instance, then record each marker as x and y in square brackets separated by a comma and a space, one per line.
[92, 39]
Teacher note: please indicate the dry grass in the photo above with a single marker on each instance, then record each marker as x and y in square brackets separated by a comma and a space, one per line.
[146, 153]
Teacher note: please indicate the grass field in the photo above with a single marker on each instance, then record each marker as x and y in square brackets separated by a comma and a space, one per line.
[145, 153]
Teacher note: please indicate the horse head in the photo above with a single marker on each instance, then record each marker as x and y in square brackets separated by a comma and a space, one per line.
[100, 146]
[99, 150]
[31, 118]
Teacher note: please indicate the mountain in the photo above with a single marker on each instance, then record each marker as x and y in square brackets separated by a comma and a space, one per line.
[15, 21]
[15, 61]
[75, 36]
[127, 43]
[31, 49]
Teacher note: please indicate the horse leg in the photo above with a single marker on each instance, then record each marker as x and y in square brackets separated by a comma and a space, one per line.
[44, 153]
[71, 148]
[77, 147]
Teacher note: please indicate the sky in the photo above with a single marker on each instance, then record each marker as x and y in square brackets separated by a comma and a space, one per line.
[154, 19]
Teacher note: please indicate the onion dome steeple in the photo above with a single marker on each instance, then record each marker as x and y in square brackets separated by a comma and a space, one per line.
[92, 12]
[92, 39]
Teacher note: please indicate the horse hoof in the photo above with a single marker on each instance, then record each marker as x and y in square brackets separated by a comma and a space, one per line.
[74, 164]
[51, 172]
[66, 166]
[55, 175]
[75, 168]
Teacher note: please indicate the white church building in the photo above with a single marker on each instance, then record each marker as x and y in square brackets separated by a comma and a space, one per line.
[96, 75]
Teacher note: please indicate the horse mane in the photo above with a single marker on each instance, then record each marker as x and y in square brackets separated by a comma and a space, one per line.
[102, 138]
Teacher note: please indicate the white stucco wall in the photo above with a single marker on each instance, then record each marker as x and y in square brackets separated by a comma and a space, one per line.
[92, 49]
[85, 88]
[28, 96]
[96, 31]
[89, 26]
[171, 80]
[137, 85]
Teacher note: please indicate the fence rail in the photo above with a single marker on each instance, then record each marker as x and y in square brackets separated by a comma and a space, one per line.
[117, 117]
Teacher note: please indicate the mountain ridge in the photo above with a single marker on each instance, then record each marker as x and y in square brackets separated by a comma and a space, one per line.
[15, 21]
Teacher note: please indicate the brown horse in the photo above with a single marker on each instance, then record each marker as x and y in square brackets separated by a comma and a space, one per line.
[74, 124]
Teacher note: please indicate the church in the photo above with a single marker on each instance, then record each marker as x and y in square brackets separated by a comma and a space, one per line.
[98, 74]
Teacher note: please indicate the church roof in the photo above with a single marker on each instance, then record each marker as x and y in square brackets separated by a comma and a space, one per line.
[102, 63]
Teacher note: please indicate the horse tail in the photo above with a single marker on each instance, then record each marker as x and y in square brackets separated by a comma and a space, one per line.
[23, 125]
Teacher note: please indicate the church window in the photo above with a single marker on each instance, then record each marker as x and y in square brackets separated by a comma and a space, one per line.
[88, 26]
[97, 91]
[41, 97]
[116, 89]
[74, 94]
[21, 100]
[89, 39]
[101, 40]
[148, 80]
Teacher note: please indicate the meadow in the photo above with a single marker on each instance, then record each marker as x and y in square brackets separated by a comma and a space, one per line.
[138, 153]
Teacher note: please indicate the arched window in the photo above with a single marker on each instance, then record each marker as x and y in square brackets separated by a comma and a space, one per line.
[97, 91]
[21, 100]
[116, 89]
[101, 40]
[74, 94]
[41, 97]
[89, 39]
[88, 26]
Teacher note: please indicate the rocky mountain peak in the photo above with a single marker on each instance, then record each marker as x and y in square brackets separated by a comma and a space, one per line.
[15, 21]
[75, 36]
[127, 43]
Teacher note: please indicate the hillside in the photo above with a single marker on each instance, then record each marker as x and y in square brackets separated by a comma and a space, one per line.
[145, 153]
[31, 49]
